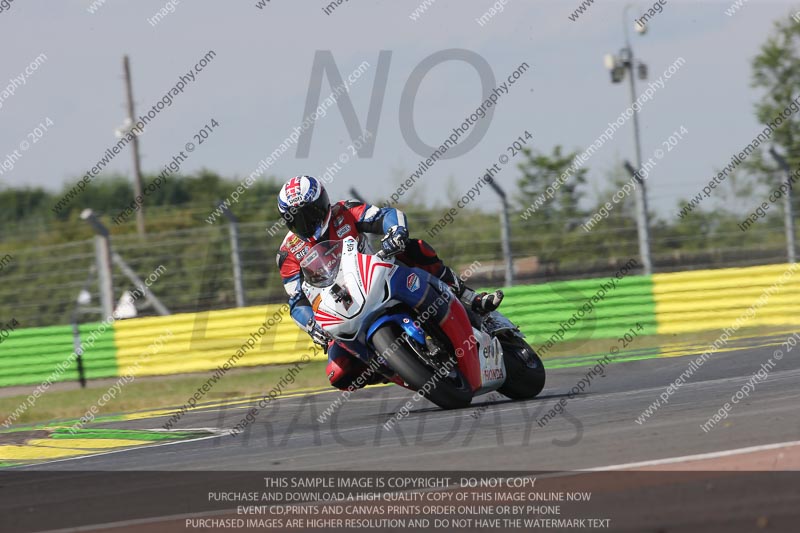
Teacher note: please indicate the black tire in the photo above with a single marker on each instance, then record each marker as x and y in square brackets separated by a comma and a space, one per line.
[444, 392]
[526, 374]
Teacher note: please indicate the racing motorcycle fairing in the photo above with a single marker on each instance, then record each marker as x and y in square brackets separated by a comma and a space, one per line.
[353, 294]
[479, 354]
[433, 301]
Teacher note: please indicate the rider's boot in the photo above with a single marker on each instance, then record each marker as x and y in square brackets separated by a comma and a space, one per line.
[481, 303]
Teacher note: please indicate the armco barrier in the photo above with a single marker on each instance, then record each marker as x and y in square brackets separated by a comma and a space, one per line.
[714, 299]
[31, 355]
[682, 302]
[541, 310]
[203, 341]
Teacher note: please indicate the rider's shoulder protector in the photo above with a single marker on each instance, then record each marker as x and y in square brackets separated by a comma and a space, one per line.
[282, 255]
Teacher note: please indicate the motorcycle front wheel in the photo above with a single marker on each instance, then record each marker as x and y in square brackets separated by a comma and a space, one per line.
[449, 391]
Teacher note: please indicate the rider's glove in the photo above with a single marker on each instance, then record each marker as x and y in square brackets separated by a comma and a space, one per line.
[318, 335]
[394, 242]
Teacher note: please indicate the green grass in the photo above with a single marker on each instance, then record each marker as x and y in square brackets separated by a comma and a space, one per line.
[159, 392]
[173, 391]
[704, 339]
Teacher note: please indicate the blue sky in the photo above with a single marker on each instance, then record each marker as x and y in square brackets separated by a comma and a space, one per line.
[256, 87]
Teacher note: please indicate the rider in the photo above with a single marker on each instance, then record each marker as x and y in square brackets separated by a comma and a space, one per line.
[304, 205]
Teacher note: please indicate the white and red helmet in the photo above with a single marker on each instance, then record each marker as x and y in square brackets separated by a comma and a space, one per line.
[304, 205]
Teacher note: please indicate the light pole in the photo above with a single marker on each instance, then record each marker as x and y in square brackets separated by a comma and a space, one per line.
[618, 66]
[137, 166]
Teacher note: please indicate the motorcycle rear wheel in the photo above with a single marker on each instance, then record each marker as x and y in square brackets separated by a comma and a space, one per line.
[526, 374]
[445, 392]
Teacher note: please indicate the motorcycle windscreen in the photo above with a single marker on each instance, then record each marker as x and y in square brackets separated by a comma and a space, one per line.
[321, 266]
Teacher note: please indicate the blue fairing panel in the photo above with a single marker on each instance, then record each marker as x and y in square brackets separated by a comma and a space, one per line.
[403, 320]
[425, 294]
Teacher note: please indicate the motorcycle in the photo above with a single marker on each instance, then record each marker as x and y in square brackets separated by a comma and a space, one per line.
[410, 327]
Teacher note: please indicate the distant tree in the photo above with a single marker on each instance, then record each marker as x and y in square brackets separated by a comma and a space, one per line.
[549, 224]
[539, 171]
[612, 230]
[16, 204]
[776, 70]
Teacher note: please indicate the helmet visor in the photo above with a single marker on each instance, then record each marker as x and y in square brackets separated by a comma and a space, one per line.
[306, 220]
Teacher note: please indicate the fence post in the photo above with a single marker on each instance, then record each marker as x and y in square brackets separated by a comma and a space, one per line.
[236, 261]
[505, 232]
[788, 215]
[102, 253]
[76, 342]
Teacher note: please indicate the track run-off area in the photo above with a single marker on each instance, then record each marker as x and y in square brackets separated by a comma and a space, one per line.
[589, 415]
[594, 428]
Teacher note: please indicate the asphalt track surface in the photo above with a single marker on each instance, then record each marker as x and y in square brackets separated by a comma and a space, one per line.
[598, 431]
